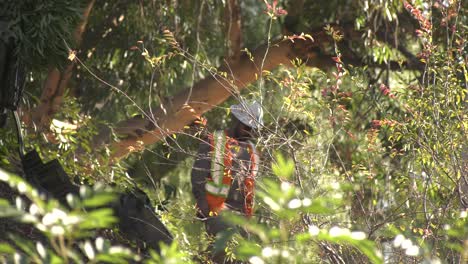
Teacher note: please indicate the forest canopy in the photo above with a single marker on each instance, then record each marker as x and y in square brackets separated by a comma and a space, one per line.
[362, 146]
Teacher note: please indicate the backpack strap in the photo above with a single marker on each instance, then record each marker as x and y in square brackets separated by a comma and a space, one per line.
[249, 181]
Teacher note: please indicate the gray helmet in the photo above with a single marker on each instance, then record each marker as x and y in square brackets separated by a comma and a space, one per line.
[249, 114]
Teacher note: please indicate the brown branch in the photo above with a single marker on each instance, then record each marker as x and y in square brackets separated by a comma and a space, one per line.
[463, 181]
[55, 85]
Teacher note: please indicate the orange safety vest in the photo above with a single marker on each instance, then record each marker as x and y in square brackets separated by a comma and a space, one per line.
[220, 180]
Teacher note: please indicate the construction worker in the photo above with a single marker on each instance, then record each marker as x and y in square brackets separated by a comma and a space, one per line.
[223, 175]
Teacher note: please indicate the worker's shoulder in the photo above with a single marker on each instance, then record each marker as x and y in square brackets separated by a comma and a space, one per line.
[205, 139]
[253, 148]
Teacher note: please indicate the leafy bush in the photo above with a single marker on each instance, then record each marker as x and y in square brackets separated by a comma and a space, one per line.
[68, 234]
[292, 236]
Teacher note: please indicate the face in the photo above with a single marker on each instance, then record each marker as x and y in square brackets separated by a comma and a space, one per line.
[243, 132]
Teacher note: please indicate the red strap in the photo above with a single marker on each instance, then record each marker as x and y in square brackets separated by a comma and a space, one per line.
[249, 184]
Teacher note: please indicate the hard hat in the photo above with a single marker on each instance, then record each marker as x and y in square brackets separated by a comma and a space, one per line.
[249, 114]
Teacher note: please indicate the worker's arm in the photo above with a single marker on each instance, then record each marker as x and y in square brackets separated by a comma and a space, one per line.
[200, 173]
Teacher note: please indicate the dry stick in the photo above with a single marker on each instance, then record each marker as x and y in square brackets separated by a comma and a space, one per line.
[261, 84]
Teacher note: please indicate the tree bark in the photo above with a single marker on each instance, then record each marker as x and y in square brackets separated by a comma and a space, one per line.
[55, 85]
[233, 30]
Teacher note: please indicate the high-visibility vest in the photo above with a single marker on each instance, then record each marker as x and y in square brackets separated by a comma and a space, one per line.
[220, 180]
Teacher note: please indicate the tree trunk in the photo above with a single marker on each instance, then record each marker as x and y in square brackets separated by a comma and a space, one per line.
[55, 85]
[187, 106]
[233, 30]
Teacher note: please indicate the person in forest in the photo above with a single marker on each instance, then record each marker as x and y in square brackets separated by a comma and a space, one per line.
[223, 175]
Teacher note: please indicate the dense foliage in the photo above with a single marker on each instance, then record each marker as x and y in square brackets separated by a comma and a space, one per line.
[363, 155]
[29, 23]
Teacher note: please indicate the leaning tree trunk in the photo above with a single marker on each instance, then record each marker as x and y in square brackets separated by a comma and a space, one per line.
[55, 85]
[187, 106]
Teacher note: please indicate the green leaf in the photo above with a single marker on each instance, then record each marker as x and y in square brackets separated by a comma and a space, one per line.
[100, 218]
[365, 246]
[6, 249]
[321, 206]
[118, 258]
[283, 168]
[247, 249]
[100, 199]
[9, 212]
